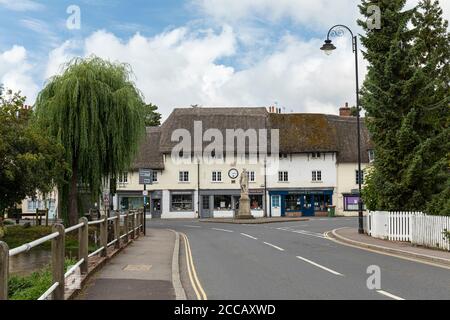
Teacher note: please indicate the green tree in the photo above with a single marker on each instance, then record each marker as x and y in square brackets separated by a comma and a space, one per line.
[406, 101]
[432, 50]
[152, 117]
[386, 97]
[95, 111]
[29, 160]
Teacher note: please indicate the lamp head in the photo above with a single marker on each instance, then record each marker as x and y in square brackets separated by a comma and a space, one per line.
[328, 47]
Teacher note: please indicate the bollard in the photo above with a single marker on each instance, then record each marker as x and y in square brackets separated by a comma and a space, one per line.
[142, 222]
[58, 258]
[83, 249]
[126, 227]
[104, 235]
[4, 270]
[117, 230]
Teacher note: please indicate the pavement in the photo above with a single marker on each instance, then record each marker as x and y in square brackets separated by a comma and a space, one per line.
[404, 249]
[142, 271]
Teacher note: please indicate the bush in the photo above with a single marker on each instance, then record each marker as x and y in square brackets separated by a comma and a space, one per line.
[33, 286]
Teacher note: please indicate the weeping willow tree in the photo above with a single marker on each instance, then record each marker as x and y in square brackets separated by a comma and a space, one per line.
[95, 111]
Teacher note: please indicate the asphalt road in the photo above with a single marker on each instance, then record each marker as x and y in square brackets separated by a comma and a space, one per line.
[294, 261]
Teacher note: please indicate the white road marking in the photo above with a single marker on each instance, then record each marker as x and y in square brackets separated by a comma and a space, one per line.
[308, 233]
[192, 226]
[390, 295]
[274, 246]
[224, 230]
[320, 266]
[249, 236]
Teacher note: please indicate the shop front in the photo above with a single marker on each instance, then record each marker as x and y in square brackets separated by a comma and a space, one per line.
[225, 203]
[300, 202]
[135, 200]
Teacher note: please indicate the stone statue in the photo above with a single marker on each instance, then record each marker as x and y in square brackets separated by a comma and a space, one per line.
[244, 182]
[244, 202]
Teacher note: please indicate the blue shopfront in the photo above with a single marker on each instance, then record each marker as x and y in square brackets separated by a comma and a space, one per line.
[300, 202]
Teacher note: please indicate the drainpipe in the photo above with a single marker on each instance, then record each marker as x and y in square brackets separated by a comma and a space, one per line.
[198, 188]
[265, 187]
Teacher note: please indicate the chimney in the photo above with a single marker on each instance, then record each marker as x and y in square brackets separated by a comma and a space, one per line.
[345, 111]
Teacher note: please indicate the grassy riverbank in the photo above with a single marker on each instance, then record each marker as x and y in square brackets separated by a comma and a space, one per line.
[33, 286]
[18, 235]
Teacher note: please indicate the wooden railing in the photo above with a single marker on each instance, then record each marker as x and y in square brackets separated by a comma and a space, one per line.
[133, 223]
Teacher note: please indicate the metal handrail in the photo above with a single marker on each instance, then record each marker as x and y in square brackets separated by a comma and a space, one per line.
[91, 223]
[49, 291]
[76, 227]
[74, 267]
[28, 246]
[112, 218]
[112, 242]
[96, 252]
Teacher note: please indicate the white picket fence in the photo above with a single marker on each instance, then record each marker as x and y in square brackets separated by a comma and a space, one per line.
[415, 227]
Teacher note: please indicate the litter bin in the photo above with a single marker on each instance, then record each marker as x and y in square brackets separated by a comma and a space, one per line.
[332, 211]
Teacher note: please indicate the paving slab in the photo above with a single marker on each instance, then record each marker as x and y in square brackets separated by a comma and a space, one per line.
[142, 271]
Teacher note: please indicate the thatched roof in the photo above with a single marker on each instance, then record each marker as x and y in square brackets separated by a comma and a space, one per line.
[211, 118]
[299, 133]
[347, 139]
[149, 155]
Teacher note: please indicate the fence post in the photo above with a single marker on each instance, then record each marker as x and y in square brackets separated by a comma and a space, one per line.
[126, 225]
[133, 220]
[117, 230]
[83, 249]
[4, 270]
[104, 235]
[58, 258]
[142, 221]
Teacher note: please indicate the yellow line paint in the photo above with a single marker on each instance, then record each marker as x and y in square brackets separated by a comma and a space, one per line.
[200, 292]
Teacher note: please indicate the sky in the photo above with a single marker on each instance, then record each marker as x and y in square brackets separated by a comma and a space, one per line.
[191, 52]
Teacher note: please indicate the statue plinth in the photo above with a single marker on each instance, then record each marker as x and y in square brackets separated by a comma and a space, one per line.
[244, 203]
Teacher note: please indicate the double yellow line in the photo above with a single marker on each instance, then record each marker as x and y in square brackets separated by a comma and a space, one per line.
[201, 295]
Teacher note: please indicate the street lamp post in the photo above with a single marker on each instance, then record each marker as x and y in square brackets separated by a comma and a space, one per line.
[328, 48]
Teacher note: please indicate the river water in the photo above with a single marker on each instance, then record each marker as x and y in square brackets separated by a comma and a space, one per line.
[29, 262]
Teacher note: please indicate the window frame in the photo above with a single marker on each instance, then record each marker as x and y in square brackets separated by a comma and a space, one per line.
[183, 176]
[216, 176]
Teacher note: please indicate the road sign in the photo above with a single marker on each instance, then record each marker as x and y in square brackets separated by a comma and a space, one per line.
[145, 193]
[145, 176]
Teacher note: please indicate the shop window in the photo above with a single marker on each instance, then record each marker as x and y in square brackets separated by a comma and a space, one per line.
[293, 203]
[182, 202]
[321, 202]
[351, 203]
[256, 202]
[222, 202]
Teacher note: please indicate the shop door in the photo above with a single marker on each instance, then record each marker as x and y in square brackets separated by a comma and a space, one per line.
[156, 208]
[308, 205]
[276, 206]
[206, 211]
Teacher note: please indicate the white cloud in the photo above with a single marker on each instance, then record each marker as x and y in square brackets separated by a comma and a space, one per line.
[21, 5]
[310, 14]
[181, 67]
[15, 72]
